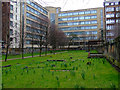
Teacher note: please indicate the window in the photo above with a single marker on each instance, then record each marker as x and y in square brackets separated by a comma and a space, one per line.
[16, 17]
[81, 17]
[117, 14]
[93, 16]
[11, 23]
[69, 14]
[16, 25]
[11, 39]
[106, 4]
[81, 12]
[16, 10]
[59, 15]
[75, 13]
[16, 33]
[87, 22]
[87, 12]
[108, 9]
[110, 15]
[64, 19]
[93, 11]
[82, 22]
[11, 7]
[110, 21]
[11, 15]
[117, 8]
[93, 22]
[57, 10]
[69, 19]
[15, 40]
[75, 18]
[116, 3]
[28, 42]
[112, 3]
[87, 17]
[11, 31]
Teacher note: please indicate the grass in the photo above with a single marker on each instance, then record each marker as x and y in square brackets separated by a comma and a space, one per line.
[26, 55]
[37, 72]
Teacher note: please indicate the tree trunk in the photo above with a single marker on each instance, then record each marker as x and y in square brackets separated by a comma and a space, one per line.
[32, 46]
[6, 52]
[40, 46]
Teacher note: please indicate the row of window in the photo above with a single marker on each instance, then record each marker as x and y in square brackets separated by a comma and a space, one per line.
[109, 9]
[33, 36]
[110, 21]
[112, 3]
[35, 12]
[37, 7]
[36, 24]
[81, 33]
[112, 15]
[77, 23]
[110, 27]
[77, 18]
[86, 38]
[30, 41]
[35, 18]
[78, 28]
[78, 13]
[109, 34]
[35, 30]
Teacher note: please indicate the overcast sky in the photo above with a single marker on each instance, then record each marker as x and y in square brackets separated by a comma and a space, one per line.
[72, 4]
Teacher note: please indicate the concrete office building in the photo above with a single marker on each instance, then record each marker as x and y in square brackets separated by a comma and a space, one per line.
[34, 24]
[87, 24]
[112, 17]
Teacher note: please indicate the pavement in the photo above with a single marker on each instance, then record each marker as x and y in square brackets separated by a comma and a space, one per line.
[33, 56]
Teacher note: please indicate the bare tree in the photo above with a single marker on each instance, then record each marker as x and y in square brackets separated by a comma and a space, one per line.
[56, 37]
[70, 39]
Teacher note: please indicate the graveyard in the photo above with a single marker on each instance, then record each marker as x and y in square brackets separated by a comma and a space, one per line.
[70, 69]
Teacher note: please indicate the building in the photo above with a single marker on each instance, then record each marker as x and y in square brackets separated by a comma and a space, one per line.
[53, 14]
[112, 17]
[87, 24]
[15, 24]
[5, 22]
[34, 23]
[11, 23]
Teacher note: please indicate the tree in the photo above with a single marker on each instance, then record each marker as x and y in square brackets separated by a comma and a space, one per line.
[70, 39]
[56, 37]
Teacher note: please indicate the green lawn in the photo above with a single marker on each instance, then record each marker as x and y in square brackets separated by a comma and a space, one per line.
[37, 72]
[26, 55]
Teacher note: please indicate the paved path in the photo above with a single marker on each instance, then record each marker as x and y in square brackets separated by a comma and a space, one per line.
[33, 56]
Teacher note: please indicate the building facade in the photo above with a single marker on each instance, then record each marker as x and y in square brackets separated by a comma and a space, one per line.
[15, 24]
[5, 22]
[87, 24]
[112, 17]
[11, 23]
[34, 23]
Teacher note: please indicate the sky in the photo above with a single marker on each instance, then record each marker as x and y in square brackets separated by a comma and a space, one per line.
[72, 4]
